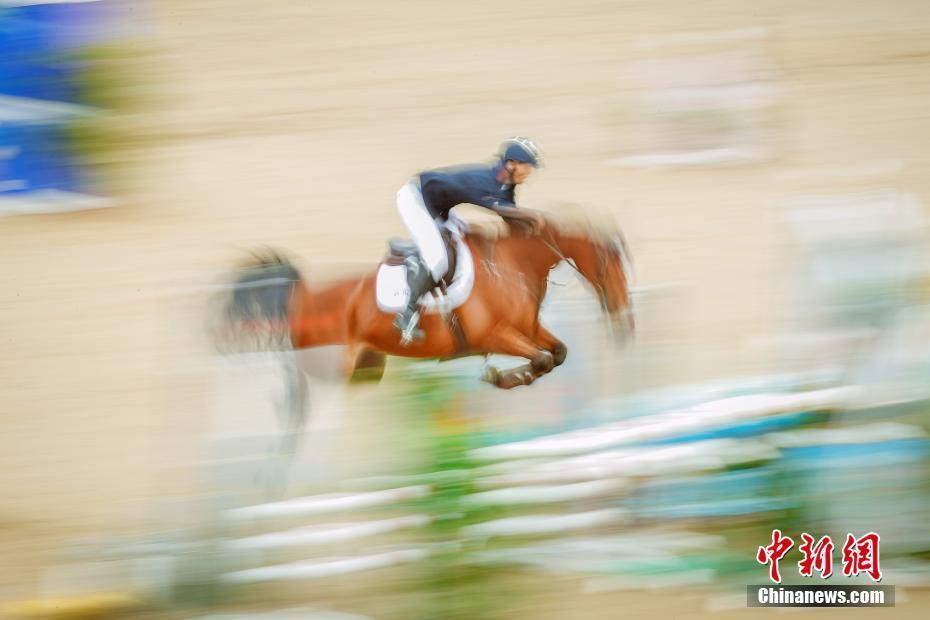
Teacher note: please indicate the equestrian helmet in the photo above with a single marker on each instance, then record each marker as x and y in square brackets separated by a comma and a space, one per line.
[522, 150]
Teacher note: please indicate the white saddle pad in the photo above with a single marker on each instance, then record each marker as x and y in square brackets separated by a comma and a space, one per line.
[391, 291]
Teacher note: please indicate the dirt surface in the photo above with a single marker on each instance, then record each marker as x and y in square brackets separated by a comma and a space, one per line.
[293, 123]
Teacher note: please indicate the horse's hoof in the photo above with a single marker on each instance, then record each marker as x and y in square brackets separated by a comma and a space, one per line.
[491, 375]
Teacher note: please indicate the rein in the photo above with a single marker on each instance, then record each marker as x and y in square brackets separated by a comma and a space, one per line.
[602, 258]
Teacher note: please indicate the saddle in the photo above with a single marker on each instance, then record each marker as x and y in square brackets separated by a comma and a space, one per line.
[452, 290]
[400, 249]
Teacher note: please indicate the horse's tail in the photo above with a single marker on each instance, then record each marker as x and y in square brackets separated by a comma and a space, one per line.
[253, 313]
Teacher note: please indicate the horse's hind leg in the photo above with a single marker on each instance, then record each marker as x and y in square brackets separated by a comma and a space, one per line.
[368, 366]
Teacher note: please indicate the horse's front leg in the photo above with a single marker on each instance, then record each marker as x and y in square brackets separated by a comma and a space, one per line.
[528, 373]
[507, 340]
[546, 340]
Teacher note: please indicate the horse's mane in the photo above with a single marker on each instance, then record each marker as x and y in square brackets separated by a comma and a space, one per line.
[574, 226]
[580, 224]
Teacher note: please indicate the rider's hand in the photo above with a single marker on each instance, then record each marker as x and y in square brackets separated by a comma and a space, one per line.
[539, 222]
[535, 220]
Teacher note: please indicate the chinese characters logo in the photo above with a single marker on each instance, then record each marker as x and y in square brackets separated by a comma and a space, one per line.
[860, 555]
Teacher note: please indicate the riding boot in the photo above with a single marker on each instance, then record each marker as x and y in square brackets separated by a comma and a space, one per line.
[419, 281]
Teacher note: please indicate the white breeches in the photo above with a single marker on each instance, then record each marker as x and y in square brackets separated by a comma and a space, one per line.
[423, 229]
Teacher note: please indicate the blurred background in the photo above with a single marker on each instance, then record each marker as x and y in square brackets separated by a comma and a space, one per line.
[766, 164]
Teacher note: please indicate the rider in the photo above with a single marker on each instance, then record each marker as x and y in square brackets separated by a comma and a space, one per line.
[424, 206]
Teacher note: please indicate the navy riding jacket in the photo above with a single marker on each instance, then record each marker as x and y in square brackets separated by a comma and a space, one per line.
[480, 185]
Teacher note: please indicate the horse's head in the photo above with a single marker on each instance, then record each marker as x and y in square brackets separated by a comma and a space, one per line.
[605, 262]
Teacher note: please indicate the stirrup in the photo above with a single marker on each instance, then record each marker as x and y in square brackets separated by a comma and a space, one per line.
[411, 332]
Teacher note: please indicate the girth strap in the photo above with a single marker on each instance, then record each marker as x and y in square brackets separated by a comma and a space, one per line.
[455, 326]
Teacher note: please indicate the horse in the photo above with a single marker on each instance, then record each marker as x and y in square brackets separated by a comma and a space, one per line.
[274, 304]
[500, 316]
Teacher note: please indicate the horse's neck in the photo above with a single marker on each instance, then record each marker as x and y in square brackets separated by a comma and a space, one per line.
[575, 245]
[528, 254]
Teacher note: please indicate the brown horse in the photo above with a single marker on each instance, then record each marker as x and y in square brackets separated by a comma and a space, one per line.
[272, 308]
[500, 316]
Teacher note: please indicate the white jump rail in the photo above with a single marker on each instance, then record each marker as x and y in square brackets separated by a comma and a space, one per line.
[867, 433]
[315, 569]
[582, 465]
[327, 503]
[622, 464]
[639, 544]
[326, 534]
[545, 494]
[692, 419]
[534, 525]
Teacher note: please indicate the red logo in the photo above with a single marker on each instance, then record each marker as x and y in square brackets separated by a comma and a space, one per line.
[773, 553]
[817, 557]
[860, 555]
